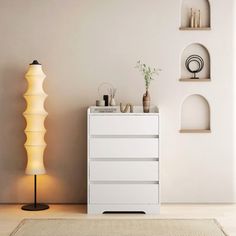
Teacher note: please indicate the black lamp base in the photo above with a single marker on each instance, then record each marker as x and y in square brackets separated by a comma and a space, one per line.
[35, 207]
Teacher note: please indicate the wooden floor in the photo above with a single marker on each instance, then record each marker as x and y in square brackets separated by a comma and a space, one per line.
[11, 215]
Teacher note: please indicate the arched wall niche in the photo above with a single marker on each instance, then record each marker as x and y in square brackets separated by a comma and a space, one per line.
[195, 115]
[196, 5]
[196, 49]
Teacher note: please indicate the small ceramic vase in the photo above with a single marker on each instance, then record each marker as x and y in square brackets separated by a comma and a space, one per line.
[146, 102]
[112, 102]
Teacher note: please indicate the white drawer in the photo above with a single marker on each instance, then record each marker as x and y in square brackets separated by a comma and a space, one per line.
[124, 148]
[124, 171]
[123, 125]
[124, 193]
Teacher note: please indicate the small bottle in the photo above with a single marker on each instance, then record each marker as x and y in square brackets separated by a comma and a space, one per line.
[112, 102]
[199, 19]
[191, 19]
[195, 20]
[106, 99]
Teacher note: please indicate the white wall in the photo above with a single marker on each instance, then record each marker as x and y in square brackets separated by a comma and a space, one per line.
[82, 43]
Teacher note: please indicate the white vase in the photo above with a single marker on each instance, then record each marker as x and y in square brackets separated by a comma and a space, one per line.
[113, 102]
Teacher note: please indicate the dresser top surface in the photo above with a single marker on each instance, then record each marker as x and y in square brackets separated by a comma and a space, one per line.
[115, 110]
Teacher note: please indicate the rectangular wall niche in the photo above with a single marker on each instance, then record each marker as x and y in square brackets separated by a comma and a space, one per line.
[205, 14]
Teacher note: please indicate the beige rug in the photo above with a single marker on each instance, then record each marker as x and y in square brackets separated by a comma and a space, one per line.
[118, 227]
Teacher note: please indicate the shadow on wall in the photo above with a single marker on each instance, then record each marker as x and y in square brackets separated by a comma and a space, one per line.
[65, 156]
[12, 124]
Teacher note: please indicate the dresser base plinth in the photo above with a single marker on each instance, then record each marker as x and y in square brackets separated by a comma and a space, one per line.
[150, 209]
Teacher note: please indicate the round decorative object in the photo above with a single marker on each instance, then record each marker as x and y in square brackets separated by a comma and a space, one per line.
[194, 64]
[104, 89]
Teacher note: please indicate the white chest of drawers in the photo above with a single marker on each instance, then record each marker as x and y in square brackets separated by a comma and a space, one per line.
[123, 161]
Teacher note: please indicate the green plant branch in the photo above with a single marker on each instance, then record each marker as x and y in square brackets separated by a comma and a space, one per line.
[148, 73]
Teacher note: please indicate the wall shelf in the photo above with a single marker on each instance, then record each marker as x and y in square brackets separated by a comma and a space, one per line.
[195, 80]
[194, 131]
[194, 29]
[195, 113]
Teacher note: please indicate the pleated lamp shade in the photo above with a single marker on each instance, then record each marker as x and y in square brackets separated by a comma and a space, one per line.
[35, 115]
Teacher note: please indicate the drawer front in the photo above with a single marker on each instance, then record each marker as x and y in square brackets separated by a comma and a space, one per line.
[124, 193]
[124, 147]
[124, 171]
[123, 125]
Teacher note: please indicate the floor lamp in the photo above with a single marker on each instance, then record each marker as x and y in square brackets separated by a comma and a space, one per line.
[35, 115]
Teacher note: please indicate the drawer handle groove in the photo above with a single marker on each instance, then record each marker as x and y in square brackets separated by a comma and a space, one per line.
[124, 159]
[124, 136]
[124, 182]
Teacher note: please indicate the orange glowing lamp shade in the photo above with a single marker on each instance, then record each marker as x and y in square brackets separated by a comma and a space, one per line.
[35, 115]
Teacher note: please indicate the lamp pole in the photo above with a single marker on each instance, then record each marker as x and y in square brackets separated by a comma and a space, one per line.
[35, 206]
[35, 191]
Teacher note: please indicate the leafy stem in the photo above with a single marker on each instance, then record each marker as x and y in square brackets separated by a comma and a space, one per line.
[148, 73]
